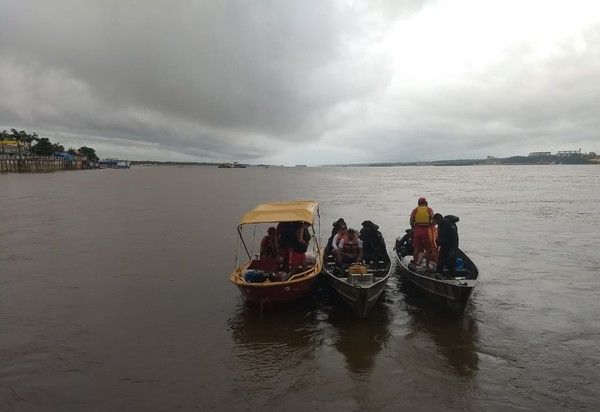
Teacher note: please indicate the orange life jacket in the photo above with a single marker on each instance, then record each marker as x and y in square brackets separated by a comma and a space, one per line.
[351, 246]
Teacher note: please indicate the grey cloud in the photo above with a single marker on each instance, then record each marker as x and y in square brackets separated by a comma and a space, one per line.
[256, 67]
[248, 80]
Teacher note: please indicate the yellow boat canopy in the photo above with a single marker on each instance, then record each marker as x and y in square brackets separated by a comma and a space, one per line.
[281, 212]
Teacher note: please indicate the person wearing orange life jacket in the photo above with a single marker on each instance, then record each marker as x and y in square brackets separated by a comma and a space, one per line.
[335, 242]
[351, 248]
[421, 219]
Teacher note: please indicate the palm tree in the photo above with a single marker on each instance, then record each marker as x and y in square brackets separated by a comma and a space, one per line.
[3, 136]
[19, 137]
[31, 138]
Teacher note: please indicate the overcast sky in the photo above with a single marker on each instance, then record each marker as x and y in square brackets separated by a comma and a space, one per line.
[303, 82]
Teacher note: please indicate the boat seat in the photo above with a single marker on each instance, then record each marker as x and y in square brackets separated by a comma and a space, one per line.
[267, 265]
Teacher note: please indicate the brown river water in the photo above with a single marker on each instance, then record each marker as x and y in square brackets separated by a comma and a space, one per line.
[115, 294]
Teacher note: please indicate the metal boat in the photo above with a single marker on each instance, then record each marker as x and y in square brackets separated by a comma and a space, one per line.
[360, 285]
[451, 292]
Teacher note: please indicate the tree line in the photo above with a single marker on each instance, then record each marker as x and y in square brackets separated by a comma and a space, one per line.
[42, 146]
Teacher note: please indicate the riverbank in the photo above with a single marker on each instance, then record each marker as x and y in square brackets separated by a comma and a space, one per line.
[40, 164]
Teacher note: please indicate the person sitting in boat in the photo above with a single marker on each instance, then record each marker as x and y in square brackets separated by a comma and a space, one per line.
[269, 245]
[335, 242]
[373, 242]
[336, 228]
[421, 218]
[448, 243]
[351, 249]
[299, 247]
[405, 243]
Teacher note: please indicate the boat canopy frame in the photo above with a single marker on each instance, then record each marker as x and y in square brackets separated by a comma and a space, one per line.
[296, 211]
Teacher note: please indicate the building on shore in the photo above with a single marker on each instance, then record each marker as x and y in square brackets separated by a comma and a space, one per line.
[11, 147]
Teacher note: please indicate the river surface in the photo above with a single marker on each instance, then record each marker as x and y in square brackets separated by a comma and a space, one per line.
[115, 294]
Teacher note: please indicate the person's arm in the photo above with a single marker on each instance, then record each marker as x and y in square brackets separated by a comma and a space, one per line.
[454, 237]
[334, 242]
[412, 218]
[263, 247]
[341, 249]
[300, 235]
[360, 250]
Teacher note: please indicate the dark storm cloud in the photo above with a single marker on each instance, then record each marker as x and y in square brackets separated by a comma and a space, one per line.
[201, 69]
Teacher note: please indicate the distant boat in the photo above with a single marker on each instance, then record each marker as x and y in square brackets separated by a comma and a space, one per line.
[114, 164]
[233, 165]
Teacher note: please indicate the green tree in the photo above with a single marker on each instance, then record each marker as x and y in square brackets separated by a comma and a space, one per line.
[90, 153]
[43, 147]
[58, 148]
[71, 151]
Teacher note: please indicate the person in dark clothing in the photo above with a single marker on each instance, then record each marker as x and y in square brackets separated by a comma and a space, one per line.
[299, 247]
[405, 244]
[373, 242]
[286, 235]
[337, 225]
[447, 240]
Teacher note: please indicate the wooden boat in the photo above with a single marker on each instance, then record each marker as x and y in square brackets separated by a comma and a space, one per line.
[359, 285]
[266, 281]
[451, 292]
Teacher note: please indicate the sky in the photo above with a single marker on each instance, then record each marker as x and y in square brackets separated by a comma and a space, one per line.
[303, 81]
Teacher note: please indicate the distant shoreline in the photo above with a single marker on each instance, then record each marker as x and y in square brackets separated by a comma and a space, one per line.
[574, 159]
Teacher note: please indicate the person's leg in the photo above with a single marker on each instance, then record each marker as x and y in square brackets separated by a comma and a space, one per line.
[452, 263]
[417, 246]
[426, 247]
[442, 258]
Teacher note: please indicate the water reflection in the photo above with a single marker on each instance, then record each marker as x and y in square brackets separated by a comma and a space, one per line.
[359, 340]
[456, 336]
[268, 344]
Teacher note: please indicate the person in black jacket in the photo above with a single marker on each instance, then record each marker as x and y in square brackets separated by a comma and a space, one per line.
[373, 242]
[447, 240]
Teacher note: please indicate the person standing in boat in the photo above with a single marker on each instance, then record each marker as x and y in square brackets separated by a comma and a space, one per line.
[447, 240]
[351, 249]
[299, 248]
[286, 235]
[269, 245]
[421, 219]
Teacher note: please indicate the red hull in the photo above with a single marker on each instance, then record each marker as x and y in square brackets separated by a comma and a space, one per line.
[277, 292]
